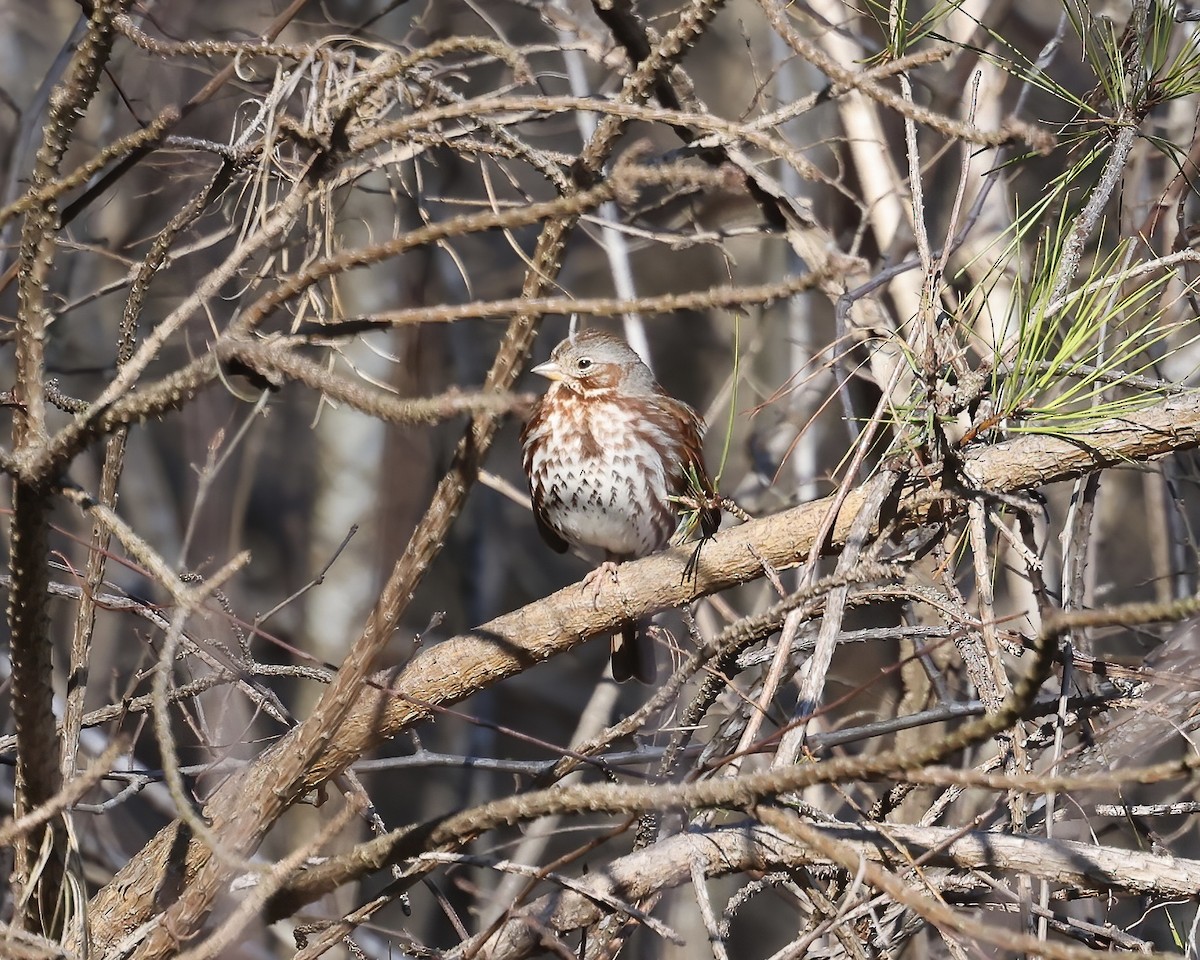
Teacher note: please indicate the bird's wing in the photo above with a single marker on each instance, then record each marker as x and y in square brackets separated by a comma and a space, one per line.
[549, 534]
[695, 480]
[553, 539]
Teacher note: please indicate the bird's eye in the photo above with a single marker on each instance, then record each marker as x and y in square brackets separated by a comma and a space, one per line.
[584, 363]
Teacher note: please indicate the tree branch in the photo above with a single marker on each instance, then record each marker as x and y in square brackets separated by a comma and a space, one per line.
[455, 669]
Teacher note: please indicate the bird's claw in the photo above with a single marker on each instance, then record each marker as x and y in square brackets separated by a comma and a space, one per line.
[594, 581]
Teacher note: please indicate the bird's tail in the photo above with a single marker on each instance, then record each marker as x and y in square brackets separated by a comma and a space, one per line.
[633, 654]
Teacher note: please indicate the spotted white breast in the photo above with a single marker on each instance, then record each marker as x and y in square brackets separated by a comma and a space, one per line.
[606, 478]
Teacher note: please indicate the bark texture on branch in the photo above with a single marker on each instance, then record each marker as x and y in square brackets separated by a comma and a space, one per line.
[751, 846]
[464, 665]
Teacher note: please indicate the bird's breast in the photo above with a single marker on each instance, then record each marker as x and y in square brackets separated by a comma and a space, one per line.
[604, 472]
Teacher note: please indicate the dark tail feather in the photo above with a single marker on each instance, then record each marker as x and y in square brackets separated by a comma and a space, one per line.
[633, 654]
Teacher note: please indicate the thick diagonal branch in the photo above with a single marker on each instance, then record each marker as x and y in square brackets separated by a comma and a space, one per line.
[464, 665]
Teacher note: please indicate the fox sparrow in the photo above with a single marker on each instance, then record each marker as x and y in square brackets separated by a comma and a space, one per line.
[605, 450]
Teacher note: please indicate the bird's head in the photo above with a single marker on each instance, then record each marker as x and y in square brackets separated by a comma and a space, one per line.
[592, 363]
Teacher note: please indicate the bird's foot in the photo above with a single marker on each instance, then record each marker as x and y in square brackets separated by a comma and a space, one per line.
[594, 581]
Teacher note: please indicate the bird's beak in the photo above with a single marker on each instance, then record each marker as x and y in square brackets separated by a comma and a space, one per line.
[550, 370]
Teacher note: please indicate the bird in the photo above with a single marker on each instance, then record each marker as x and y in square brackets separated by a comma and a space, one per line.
[605, 451]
